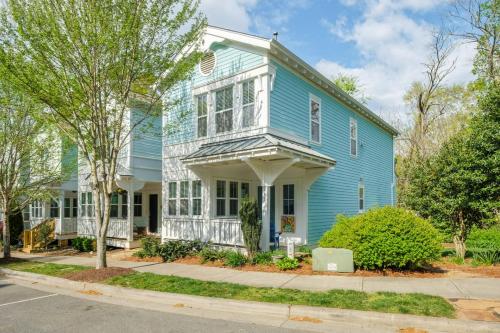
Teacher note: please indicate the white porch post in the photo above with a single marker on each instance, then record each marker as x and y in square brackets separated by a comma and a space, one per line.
[130, 215]
[266, 217]
[59, 229]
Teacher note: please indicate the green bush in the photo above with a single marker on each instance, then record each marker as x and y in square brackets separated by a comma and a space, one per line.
[305, 249]
[83, 244]
[235, 259]
[150, 247]
[262, 258]
[385, 237]
[175, 249]
[209, 253]
[484, 244]
[251, 226]
[286, 264]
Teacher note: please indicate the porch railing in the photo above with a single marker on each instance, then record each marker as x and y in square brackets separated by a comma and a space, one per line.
[118, 228]
[220, 231]
[66, 225]
[30, 224]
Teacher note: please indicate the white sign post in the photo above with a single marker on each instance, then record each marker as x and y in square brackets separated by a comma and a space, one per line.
[290, 249]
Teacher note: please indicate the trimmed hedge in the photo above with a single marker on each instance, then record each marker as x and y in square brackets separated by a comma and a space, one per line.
[385, 237]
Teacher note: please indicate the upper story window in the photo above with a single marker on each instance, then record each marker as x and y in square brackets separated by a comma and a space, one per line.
[248, 103]
[361, 196]
[202, 111]
[315, 117]
[224, 110]
[353, 133]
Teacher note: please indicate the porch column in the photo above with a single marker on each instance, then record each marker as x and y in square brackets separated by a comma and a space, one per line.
[266, 217]
[130, 214]
[61, 213]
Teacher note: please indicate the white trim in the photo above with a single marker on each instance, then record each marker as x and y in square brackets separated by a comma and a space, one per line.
[313, 98]
[354, 122]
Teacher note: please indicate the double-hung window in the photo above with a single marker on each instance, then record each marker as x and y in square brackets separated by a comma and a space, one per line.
[245, 190]
[36, 209]
[86, 201]
[114, 206]
[233, 198]
[361, 197]
[221, 198]
[289, 199]
[224, 110]
[54, 208]
[137, 204]
[248, 103]
[172, 198]
[184, 198]
[124, 205]
[75, 207]
[315, 117]
[196, 197]
[67, 207]
[202, 111]
[353, 134]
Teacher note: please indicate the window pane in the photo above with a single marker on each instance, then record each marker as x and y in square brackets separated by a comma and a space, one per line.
[89, 198]
[315, 111]
[248, 115]
[124, 205]
[233, 207]
[184, 206]
[233, 189]
[196, 207]
[114, 211]
[354, 148]
[245, 190]
[54, 208]
[248, 92]
[172, 190]
[202, 126]
[224, 110]
[172, 209]
[221, 189]
[196, 188]
[184, 189]
[83, 198]
[315, 131]
[221, 207]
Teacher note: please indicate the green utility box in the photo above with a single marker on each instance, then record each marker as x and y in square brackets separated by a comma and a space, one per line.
[332, 260]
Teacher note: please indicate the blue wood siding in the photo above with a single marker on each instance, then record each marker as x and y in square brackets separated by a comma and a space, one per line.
[337, 191]
[180, 118]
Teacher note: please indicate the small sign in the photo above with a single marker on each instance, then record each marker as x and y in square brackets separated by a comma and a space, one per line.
[290, 249]
[331, 267]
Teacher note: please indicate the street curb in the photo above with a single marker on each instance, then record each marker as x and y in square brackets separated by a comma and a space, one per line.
[278, 313]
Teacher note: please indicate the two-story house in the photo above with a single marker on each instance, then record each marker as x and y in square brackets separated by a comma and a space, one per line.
[256, 120]
[136, 203]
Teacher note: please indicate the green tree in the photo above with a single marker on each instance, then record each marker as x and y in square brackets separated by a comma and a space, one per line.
[251, 226]
[28, 165]
[458, 188]
[89, 61]
[350, 84]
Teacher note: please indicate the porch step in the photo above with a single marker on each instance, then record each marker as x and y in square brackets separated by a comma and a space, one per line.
[32, 239]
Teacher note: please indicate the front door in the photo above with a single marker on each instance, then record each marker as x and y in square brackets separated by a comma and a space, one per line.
[272, 211]
[153, 213]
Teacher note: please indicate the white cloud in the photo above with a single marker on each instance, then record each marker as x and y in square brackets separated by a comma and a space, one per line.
[231, 14]
[393, 47]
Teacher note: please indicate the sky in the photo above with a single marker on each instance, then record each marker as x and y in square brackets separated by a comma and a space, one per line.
[382, 42]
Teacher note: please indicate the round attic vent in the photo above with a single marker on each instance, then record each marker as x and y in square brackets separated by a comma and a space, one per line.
[207, 63]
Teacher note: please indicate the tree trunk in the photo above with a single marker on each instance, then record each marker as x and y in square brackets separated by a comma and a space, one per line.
[102, 223]
[6, 235]
[459, 239]
[101, 252]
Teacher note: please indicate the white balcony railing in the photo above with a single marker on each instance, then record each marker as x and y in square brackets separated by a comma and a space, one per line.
[220, 231]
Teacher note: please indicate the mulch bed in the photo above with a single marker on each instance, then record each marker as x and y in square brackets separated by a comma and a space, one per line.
[96, 275]
[438, 270]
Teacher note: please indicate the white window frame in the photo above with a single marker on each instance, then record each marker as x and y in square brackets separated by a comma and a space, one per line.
[206, 94]
[172, 197]
[228, 198]
[252, 104]
[231, 109]
[54, 206]
[354, 122]
[361, 198]
[197, 197]
[313, 98]
[36, 209]
[184, 197]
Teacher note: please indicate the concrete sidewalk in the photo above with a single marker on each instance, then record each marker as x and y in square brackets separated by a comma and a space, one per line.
[473, 288]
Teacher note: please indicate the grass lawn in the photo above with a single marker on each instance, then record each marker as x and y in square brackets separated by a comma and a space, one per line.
[416, 304]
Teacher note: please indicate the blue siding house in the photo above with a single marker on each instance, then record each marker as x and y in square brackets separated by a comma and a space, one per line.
[255, 120]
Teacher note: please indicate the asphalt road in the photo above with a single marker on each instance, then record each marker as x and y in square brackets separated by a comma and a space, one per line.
[29, 310]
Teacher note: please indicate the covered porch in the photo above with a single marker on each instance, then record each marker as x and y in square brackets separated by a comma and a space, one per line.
[276, 172]
[135, 212]
[63, 209]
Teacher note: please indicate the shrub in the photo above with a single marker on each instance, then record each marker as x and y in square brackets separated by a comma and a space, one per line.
[234, 259]
[262, 258]
[286, 264]
[83, 244]
[77, 244]
[386, 237]
[305, 249]
[175, 249]
[209, 253]
[43, 235]
[251, 226]
[150, 247]
[484, 244]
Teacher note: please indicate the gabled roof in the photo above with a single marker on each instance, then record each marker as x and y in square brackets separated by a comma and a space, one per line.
[237, 148]
[280, 52]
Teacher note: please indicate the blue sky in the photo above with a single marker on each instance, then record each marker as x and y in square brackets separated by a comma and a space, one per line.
[382, 42]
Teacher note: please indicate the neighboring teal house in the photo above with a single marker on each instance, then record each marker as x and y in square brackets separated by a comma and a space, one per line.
[256, 120]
